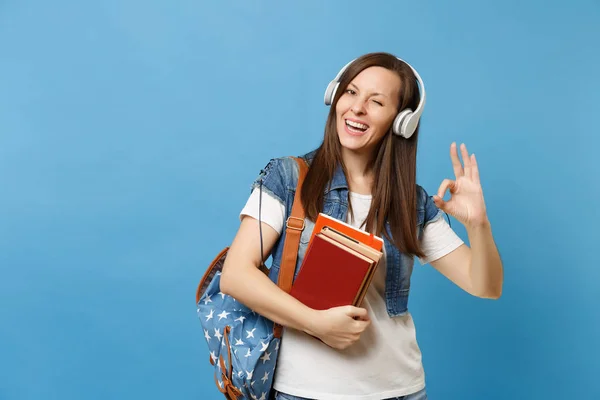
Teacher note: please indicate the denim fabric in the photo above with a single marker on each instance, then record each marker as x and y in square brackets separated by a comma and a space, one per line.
[279, 179]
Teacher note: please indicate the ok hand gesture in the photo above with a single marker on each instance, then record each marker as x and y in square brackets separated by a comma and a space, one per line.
[466, 202]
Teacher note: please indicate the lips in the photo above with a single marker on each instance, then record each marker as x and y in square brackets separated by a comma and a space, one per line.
[355, 127]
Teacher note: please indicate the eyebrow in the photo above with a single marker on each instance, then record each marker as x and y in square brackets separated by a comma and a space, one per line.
[373, 94]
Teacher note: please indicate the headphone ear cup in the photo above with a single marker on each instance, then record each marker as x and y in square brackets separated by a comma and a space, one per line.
[409, 125]
[398, 126]
[330, 92]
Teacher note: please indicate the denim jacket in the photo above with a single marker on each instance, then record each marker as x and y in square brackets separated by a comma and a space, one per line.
[279, 179]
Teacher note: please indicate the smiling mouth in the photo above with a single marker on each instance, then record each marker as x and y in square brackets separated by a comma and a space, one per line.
[356, 127]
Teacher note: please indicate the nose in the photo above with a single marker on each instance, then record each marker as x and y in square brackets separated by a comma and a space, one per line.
[358, 107]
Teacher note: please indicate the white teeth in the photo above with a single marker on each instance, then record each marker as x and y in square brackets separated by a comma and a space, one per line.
[356, 125]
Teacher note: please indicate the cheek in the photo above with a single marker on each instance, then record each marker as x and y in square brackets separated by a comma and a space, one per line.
[384, 123]
[342, 106]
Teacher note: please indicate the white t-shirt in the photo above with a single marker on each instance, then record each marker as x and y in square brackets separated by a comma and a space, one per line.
[386, 360]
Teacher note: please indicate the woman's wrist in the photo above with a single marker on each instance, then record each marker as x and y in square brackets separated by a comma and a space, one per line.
[309, 321]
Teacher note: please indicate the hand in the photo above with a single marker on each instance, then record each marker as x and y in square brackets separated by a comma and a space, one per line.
[340, 327]
[466, 203]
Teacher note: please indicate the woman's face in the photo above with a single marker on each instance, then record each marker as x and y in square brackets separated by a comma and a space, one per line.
[367, 108]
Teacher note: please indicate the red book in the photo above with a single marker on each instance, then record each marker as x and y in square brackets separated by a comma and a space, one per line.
[331, 274]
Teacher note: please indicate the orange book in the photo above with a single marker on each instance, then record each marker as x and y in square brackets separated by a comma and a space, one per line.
[364, 237]
[331, 274]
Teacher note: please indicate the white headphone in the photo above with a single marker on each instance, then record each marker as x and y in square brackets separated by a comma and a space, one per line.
[405, 122]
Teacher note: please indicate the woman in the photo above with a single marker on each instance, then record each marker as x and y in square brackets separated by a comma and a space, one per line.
[364, 172]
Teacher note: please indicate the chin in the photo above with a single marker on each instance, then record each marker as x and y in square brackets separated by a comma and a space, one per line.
[352, 143]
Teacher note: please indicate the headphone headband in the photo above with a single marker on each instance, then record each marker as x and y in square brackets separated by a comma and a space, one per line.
[406, 121]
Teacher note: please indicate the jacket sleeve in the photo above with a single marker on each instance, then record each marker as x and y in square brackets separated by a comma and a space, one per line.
[431, 211]
[272, 179]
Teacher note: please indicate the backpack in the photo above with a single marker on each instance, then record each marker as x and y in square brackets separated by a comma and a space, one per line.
[244, 345]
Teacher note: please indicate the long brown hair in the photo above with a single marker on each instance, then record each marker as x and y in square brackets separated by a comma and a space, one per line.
[394, 163]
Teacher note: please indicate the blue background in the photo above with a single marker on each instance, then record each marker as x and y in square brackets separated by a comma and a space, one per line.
[130, 132]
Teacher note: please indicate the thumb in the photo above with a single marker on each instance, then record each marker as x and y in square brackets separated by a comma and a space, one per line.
[439, 202]
[444, 206]
[357, 313]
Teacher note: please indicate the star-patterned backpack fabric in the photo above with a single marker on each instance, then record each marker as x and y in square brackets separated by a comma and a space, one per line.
[244, 345]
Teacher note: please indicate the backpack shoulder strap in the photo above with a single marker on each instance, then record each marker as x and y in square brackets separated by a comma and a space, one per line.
[294, 227]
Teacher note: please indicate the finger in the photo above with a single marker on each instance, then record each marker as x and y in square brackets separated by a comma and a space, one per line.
[474, 169]
[439, 202]
[446, 184]
[456, 165]
[361, 327]
[356, 312]
[466, 160]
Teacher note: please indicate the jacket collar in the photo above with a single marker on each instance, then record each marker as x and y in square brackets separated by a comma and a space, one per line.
[339, 179]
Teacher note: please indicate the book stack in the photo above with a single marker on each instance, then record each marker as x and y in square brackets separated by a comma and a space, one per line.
[338, 265]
